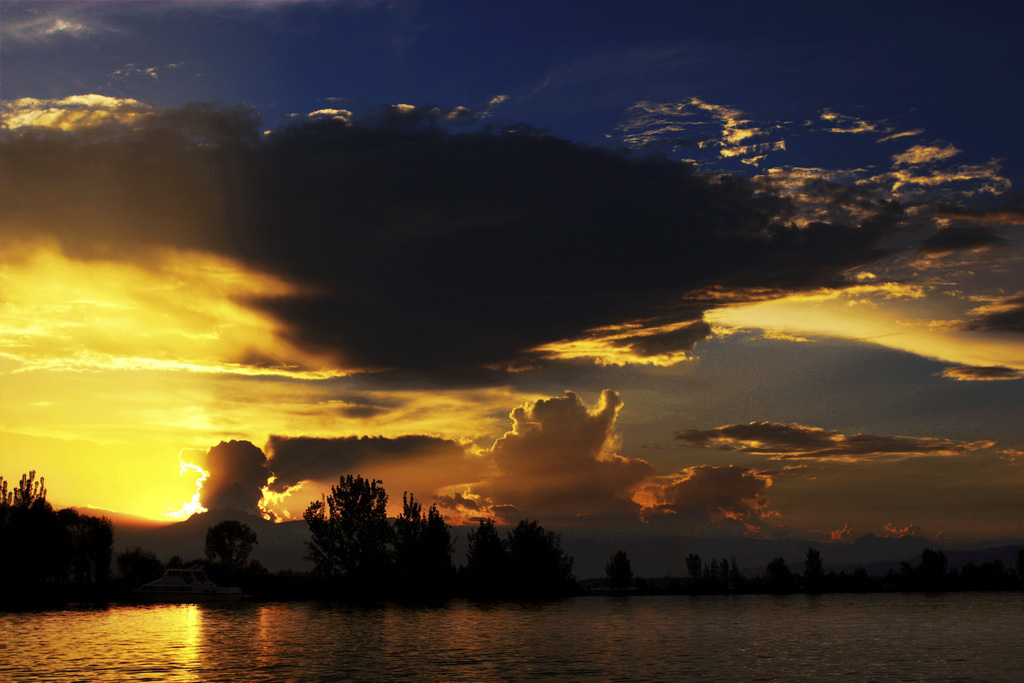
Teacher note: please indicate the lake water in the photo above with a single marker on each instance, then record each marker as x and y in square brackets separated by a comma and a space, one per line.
[904, 637]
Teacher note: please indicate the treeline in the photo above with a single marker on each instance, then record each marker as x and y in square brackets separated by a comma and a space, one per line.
[52, 557]
[49, 556]
[357, 552]
[720, 577]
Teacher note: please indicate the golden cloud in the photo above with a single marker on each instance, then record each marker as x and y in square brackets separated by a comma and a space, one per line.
[632, 344]
[184, 311]
[924, 154]
[74, 112]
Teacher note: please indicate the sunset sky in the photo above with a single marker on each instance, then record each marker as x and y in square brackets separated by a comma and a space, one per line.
[754, 268]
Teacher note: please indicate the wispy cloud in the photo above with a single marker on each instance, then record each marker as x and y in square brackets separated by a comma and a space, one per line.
[632, 344]
[971, 373]
[924, 154]
[1003, 314]
[33, 27]
[902, 134]
[780, 441]
[676, 126]
[842, 123]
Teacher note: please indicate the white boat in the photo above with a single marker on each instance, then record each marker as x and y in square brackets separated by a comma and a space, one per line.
[190, 584]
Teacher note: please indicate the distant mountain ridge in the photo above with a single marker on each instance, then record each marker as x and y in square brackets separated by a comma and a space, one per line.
[279, 546]
[283, 546]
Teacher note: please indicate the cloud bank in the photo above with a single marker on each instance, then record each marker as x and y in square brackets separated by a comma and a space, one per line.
[418, 245]
[557, 463]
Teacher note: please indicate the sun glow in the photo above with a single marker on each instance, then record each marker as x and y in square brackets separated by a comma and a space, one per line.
[870, 314]
[272, 504]
[182, 311]
[193, 506]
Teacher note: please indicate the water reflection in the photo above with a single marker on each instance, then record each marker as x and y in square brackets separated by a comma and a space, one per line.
[766, 638]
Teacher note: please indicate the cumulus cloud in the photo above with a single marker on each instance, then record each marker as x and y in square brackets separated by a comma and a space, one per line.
[780, 441]
[558, 462]
[237, 474]
[335, 114]
[73, 112]
[900, 532]
[719, 493]
[419, 249]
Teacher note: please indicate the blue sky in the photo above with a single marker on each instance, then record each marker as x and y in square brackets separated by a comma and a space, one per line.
[838, 266]
[571, 67]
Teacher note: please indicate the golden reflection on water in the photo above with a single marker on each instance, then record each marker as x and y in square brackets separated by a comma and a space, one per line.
[192, 626]
[158, 640]
[945, 637]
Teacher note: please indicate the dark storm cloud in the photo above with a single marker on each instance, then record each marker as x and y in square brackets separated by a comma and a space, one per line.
[297, 459]
[784, 441]
[969, 373]
[1009, 211]
[961, 239]
[456, 501]
[417, 248]
[237, 473]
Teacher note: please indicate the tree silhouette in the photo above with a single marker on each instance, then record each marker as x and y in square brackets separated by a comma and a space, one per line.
[619, 571]
[91, 541]
[693, 569]
[814, 573]
[29, 491]
[138, 566]
[778, 577]
[49, 555]
[36, 545]
[486, 560]
[409, 528]
[423, 549]
[931, 574]
[539, 568]
[230, 542]
[350, 530]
